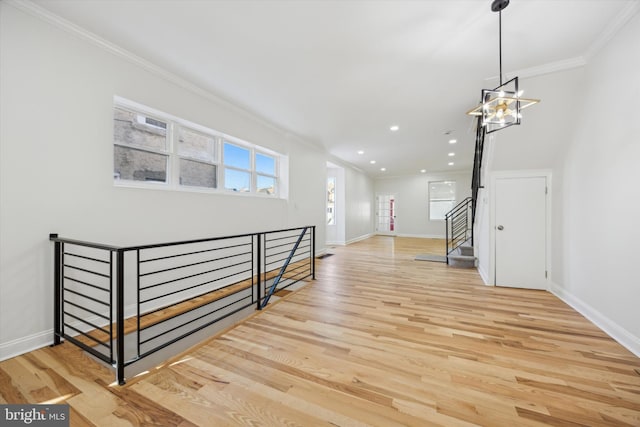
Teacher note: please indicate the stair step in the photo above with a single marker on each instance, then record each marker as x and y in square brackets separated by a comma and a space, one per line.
[466, 250]
[462, 261]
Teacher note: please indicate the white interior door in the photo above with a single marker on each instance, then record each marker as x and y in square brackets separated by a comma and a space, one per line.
[521, 232]
[386, 214]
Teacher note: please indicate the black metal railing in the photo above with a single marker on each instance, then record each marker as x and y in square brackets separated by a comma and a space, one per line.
[277, 253]
[459, 221]
[459, 225]
[122, 304]
[476, 179]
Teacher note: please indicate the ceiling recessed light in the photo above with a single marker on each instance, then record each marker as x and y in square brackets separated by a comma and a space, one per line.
[360, 152]
[452, 154]
[423, 171]
[394, 128]
[383, 169]
[453, 141]
[373, 162]
[450, 163]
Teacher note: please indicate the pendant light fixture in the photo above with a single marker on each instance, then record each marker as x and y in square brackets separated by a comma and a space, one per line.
[501, 107]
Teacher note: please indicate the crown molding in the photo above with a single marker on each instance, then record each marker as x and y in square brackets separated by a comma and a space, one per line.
[47, 16]
[539, 70]
[552, 67]
[613, 28]
[624, 16]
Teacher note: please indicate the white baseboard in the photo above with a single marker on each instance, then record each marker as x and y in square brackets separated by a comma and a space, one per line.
[357, 239]
[423, 236]
[336, 243]
[321, 252]
[484, 276]
[615, 331]
[26, 344]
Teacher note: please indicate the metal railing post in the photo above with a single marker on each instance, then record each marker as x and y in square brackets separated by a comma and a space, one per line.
[120, 317]
[259, 269]
[313, 252]
[57, 290]
[446, 226]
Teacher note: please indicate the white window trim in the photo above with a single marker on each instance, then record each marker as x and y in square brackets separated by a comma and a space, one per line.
[173, 170]
[454, 199]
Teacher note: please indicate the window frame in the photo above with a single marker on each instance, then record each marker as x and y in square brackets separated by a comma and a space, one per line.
[331, 204]
[215, 162]
[431, 200]
[166, 152]
[172, 152]
[226, 167]
[256, 173]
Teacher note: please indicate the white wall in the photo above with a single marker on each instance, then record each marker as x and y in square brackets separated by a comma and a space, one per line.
[546, 128]
[584, 132]
[56, 158]
[601, 194]
[359, 206]
[539, 143]
[412, 201]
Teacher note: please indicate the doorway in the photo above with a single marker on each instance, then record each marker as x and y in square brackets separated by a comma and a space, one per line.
[520, 231]
[386, 214]
[335, 206]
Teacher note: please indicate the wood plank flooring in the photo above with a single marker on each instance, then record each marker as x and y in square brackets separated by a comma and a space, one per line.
[378, 339]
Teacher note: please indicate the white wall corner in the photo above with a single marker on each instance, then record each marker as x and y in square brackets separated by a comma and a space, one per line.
[26, 344]
[484, 275]
[611, 328]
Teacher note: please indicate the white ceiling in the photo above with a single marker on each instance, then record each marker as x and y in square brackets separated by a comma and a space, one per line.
[339, 73]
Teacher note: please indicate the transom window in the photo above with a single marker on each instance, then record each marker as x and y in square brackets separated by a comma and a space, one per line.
[152, 149]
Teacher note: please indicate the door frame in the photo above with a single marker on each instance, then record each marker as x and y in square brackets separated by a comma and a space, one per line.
[393, 232]
[528, 173]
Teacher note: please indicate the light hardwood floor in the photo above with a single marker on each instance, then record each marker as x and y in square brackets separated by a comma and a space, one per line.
[378, 339]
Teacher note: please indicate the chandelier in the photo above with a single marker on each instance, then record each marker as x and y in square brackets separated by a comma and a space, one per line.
[501, 107]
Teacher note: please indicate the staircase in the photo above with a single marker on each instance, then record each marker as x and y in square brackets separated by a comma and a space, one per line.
[459, 223]
[459, 220]
[462, 257]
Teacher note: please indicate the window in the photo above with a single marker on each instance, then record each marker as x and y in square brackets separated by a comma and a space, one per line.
[155, 150]
[237, 168]
[331, 200]
[197, 153]
[442, 198]
[140, 147]
[246, 169]
[266, 177]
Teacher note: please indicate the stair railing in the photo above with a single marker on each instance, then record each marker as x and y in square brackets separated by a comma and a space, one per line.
[122, 304]
[284, 267]
[459, 225]
[460, 220]
[476, 183]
